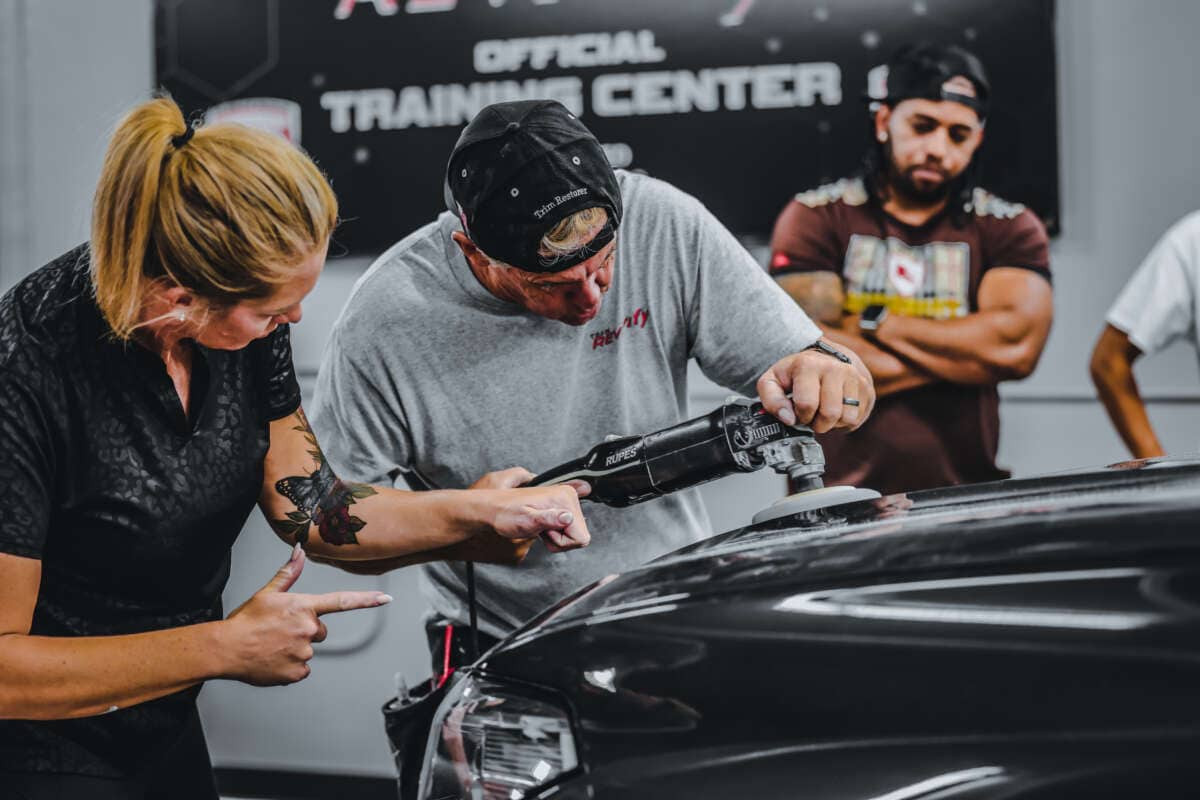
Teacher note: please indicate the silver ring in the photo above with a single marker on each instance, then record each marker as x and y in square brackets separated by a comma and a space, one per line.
[850, 401]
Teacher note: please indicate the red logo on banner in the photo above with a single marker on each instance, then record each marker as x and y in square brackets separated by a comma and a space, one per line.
[388, 8]
[384, 8]
[429, 6]
[270, 114]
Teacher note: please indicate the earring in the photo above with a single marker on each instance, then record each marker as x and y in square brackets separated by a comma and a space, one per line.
[181, 316]
[881, 136]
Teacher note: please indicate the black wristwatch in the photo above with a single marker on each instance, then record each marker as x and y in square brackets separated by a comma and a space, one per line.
[829, 351]
[870, 320]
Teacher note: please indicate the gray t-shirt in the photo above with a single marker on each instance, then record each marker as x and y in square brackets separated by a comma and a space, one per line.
[427, 372]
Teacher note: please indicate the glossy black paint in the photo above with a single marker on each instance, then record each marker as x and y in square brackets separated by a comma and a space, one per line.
[1023, 639]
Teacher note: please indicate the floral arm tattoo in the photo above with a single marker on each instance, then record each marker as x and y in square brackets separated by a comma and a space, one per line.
[321, 499]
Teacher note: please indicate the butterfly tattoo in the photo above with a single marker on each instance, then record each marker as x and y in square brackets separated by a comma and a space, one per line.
[321, 499]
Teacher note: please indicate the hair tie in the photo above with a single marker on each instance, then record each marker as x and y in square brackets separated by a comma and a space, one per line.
[183, 138]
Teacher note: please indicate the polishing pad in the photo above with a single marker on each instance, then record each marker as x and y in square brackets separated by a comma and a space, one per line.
[814, 499]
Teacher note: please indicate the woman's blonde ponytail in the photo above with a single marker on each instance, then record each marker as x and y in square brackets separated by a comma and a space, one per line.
[125, 209]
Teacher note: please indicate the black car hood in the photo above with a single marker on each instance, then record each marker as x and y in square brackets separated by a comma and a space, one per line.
[1134, 507]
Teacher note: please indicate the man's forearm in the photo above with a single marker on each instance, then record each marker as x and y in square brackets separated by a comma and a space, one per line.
[381, 566]
[486, 548]
[48, 677]
[981, 348]
[890, 373]
[335, 557]
[822, 297]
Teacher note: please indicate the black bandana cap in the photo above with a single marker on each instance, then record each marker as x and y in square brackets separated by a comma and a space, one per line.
[518, 169]
[929, 71]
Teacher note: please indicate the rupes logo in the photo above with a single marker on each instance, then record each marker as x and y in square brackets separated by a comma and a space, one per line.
[270, 114]
[744, 438]
[622, 455]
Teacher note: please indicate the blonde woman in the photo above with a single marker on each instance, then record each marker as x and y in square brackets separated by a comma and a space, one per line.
[147, 403]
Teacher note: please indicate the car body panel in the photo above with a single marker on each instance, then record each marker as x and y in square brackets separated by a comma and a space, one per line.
[1032, 638]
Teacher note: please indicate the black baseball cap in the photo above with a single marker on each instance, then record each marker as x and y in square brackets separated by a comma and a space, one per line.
[521, 167]
[926, 70]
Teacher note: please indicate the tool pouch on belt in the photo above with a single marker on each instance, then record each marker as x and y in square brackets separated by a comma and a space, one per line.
[407, 721]
[408, 718]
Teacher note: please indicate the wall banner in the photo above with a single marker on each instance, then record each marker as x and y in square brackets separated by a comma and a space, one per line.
[740, 102]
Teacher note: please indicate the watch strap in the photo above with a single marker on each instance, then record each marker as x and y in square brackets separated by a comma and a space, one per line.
[822, 347]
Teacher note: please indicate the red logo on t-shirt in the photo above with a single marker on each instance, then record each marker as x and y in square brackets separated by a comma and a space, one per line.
[907, 273]
[634, 321]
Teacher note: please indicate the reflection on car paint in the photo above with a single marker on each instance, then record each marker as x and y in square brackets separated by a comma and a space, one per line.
[853, 603]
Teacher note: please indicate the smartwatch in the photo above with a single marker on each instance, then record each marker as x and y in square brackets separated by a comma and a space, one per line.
[870, 320]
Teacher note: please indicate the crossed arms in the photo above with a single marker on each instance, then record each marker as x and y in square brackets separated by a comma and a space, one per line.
[1003, 340]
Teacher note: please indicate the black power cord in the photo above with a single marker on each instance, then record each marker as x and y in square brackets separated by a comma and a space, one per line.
[472, 611]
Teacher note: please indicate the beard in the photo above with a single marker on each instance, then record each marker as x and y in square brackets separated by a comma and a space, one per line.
[908, 188]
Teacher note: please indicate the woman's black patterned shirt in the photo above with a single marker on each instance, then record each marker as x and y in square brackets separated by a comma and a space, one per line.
[131, 507]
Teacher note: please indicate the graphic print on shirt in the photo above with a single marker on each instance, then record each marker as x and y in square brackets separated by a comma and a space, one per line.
[930, 280]
[635, 321]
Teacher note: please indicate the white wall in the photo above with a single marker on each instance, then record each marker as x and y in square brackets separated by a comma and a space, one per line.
[68, 70]
[1128, 114]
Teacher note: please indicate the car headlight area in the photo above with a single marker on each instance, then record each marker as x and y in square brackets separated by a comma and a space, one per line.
[492, 740]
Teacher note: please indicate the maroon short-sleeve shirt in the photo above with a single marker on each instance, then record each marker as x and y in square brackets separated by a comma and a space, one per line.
[933, 435]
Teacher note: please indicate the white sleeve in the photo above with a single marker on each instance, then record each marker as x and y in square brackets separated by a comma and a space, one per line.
[1158, 304]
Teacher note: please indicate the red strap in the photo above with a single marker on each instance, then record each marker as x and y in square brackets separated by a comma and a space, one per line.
[447, 670]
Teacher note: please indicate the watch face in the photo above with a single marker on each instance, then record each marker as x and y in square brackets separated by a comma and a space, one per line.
[873, 313]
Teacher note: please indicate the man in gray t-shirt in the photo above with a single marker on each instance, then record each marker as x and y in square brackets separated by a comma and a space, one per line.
[447, 362]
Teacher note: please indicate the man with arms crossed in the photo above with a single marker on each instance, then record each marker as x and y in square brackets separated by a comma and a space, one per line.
[942, 288]
[1161, 303]
[558, 304]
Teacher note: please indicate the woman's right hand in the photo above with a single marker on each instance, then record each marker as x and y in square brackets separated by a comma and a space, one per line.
[269, 638]
[552, 512]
